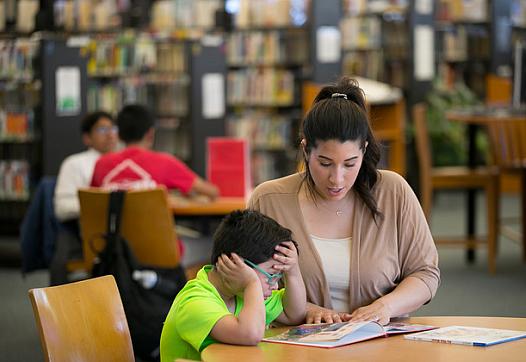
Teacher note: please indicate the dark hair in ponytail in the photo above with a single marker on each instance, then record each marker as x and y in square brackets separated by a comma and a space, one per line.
[339, 112]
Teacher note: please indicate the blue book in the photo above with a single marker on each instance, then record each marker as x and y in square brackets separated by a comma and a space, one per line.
[471, 336]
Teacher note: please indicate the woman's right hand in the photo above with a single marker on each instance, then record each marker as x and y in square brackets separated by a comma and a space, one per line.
[317, 314]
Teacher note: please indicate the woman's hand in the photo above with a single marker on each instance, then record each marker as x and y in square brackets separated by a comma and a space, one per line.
[376, 311]
[235, 273]
[317, 314]
[287, 258]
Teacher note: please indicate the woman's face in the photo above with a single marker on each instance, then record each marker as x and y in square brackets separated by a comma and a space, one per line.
[334, 167]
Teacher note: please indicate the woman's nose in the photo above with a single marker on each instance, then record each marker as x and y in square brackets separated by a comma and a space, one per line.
[336, 175]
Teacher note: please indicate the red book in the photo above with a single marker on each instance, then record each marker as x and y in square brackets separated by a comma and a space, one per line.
[228, 166]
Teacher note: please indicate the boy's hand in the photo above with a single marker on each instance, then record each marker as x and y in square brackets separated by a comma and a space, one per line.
[287, 258]
[235, 273]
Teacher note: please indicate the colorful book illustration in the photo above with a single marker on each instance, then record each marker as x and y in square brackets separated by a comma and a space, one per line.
[329, 335]
[471, 336]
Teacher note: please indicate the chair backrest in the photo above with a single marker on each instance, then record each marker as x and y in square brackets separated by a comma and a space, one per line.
[82, 321]
[146, 223]
[508, 142]
[423, 146]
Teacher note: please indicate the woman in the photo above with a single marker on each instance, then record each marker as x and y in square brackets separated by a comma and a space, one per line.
[366, 251]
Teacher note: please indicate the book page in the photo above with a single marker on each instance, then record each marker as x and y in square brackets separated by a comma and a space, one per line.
[324, 331]
[399, 328]
[329, 335]
[333, 331]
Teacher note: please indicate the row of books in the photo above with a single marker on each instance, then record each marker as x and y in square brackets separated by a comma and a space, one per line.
[176, 141]
[360, 7]
[14, 180]
[266, 166]
[465, 43]
[21, 13]
[134, 53]
[260, 87]
[266, 131]
[364, 64]
[168, 15]
[16, 126]
[18, 96]
[167, 98]
[16, 58]
[165, 15]
[364, 32]
[275, 13]
[462, 10]
[273, 47]
[86, 15]
[395, 40]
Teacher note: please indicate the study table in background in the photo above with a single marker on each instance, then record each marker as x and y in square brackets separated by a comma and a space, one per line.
[475, 118]
[199, 207]
[391, 349]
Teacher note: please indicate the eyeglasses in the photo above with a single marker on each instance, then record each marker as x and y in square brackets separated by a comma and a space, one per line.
[271, 278]
[105, 130]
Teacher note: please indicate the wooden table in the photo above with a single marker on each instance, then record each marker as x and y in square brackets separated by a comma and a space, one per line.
[475, 118]
[391, 349]
[194, 207]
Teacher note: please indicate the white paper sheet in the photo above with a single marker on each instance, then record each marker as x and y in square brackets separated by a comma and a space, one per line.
[213, 92]
[424, 52]
[67, 81]
[328, 44]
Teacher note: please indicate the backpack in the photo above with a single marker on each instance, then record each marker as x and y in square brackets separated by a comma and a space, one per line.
[145, 308]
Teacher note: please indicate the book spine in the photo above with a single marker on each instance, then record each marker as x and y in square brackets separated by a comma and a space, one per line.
[438, 340]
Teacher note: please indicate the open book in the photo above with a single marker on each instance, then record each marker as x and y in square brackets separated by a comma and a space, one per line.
[330, 335]
[472, 336]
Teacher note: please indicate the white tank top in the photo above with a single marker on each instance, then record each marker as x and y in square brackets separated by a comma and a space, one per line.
[335, 255]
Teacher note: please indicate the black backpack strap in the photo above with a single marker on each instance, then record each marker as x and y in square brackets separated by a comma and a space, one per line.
[115, 212]
[106, 256]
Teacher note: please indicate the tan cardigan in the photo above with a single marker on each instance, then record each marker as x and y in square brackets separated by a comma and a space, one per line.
[381, 255]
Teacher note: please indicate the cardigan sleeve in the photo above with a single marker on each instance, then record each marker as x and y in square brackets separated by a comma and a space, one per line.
[418, 255]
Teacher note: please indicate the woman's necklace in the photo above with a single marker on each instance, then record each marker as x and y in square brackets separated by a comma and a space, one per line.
[339, 211]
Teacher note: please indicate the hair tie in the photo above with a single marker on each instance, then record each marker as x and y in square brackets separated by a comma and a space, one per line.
[339, 95]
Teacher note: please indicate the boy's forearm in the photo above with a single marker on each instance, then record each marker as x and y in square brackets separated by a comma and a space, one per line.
[252, 317]
[295, 299]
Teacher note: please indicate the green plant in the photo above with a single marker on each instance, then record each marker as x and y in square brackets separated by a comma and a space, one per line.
[448, 139]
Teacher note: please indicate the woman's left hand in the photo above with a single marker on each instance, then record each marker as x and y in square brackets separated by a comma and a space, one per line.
[376, 311]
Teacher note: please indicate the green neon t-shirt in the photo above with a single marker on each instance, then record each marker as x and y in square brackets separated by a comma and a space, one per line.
[195, 311]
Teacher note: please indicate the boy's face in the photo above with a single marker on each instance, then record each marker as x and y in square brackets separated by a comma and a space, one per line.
[103, 136]
[264, 279]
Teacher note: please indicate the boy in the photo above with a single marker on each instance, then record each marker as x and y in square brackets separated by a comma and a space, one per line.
[235, 298]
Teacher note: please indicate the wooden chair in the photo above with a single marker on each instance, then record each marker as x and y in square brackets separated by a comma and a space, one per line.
[458, 177]
[508, 145]
[82, 321]
[147, 224]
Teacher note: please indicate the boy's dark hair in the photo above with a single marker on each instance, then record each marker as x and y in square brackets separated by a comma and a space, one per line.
[89, 121]
[249, 234]
[134, 121]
